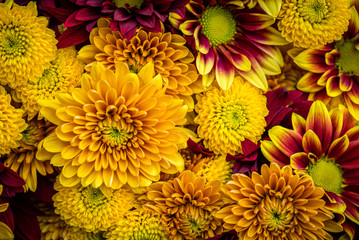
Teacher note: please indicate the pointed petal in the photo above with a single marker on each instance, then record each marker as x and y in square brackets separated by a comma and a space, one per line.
[286, 140]
[205, 62]
[201, 41]
[338, 147]
[354, 93]
[273, 154]
[334, 203]
[352, 212]
[272, 8]
[299, 161]
[267, 36]
[312, 144]
[188, 27]
[312, 60]
[332, 86]
[254, 21]
[345, 83]
[308, 83]
[224, 72]
[298, 123]
[350, 159]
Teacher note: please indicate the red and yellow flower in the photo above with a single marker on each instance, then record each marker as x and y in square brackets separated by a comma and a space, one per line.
[230, 40]
[325, 147]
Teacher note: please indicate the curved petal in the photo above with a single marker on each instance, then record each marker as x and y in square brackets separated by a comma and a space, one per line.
[267, 36]
[352, 212]
[338, 147]
[224, 72]
[345, 83]
[334, 203]
[350, 159]
[239, 60]
[188, 27]
[352, 107]
[272, 7]
[201, 41]
[286, 140]
[299, 161]
[354, 93]
[332, 86]
[298, 123]
[312, 144]
[205, 62]
[322, 81]
[319, 121]
[308, 83]
[273, 154]
[312, 60]
[254, 21]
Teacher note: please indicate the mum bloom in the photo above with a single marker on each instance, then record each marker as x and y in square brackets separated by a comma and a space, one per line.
[227, 117]
[91, 208]
[187, 204]
[276, 205]
[333, 75]
[23, 160]
[118, 128]
[26, 44]
[139, 224]
[325, 147]
[12, 123]
[313, 23]
[229, 40]
[171, 58]
[61, 76]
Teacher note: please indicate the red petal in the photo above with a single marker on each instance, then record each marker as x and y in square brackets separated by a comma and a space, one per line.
[312, 144]
[322, 81]
[146, 21]
[350, 159]
[309, 82]
[73, 36]
[202, 42]
[224, 72]
[146, 9]
[87, 14]
[205, 62]
[286, 140]
[338, 147]
[71, 21]
[121, 14]
[299, 161]
[350, 177]
[354, 93]
[334, 202]
[273, 154]
[254, 21]
[351, 212]
[332, 86]
[312, 60]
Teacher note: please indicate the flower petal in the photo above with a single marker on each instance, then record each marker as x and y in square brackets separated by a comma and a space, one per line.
[312, 60]
[332, 86]
[312, 144]
[286, 140]
[205, 62]
[350, 159]
[338, 147]
[224, 72]
[299, 161]
[201, 41]
[334, 202]
[188, 27]
[308, 83]
[345, 83]
[273, 154]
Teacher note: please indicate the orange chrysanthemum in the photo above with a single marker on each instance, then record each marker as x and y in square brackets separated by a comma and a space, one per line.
[188, 204]
[26, 44]
[23, 160]
[61, 76]
[276, 205]
[118, 128]
[11, 125]
[172, 59]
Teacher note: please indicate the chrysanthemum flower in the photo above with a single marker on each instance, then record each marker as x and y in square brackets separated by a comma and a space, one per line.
[276, 205]
[26, 44]
[91, 208]
[325, 147]
[334, 72]
[118, 128]
[52, 226]
[61, 76]
[23, 160]
[230, 39]
[187, 204]
[172, 59]
[313, 23]
[139, 224]
[80, 17]
[5, 231]
[12, 123]
[228, 117]
[209, 167]
[75, 233]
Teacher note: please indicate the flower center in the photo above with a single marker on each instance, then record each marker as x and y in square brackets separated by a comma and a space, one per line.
[314, 11]
[218, 25]
[327, 174]
[12, 42]
[115, 133]
[233, 116]
[276, 214]
[95, 236]
[349, 57]
[93, 197]
[49, 79]
[130, 3]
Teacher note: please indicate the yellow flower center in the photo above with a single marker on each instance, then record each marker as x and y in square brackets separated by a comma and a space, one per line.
[131, 3]
[233, 116]
[13, 42]
[349, 57]
[49, 79]
[218, 25]
[93, 197]
[327, 174]
[277, 213]
[115, 133]
[313, 11]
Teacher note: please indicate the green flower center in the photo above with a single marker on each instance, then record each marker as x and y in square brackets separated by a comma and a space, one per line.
[276, 215]
[131, 3]
[116, 136]
[93, 197]
[233, 116]
[327, 174]
[218, 25]
[13, 42]
[349, 57]
[50, 81]
[313, 11]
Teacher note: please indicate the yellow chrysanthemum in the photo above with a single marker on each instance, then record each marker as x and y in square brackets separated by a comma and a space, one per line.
[313, 23]
[210, 167]
[118, 128]
[228, 117]
[75, 233]
[187, 204]
[26, 44]
[23, 160]
[172, 59]
[276, 205]
[5, 231]
[11, 123]
[52, 226]
[61, 76]
[139, 224]
[91, 208]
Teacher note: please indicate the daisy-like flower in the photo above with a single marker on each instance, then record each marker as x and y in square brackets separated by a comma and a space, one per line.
[91, 208]
[23, 159]
[333, 75]
[172, 59]
[187, 204]
[12, 123]
[75, 233]
[227, 117]
[61, 76]
[325, 147]
[26, 44]
[118, 128]
[209, 167]
[276, 205]
[313, 23]
[139, 224]
[230, 39]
